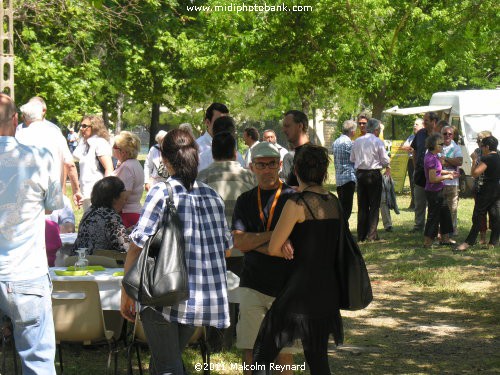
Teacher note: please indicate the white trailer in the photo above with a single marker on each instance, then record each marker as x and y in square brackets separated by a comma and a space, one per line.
[470, 111]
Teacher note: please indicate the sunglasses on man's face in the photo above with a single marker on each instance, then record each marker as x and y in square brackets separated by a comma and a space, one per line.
[447, 133]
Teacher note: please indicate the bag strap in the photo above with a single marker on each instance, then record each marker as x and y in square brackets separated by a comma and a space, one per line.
[301, 196]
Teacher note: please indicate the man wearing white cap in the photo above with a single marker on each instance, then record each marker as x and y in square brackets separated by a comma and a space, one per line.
[255, 215]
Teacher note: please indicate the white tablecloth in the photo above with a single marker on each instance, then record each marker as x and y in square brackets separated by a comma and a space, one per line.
[109, 285]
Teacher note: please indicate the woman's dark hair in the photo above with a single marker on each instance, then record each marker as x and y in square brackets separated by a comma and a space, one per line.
[490, 142]
[432, 141]
[224, 124]
[223, 146]
[311, 164]
[105, 191]
[181, 150]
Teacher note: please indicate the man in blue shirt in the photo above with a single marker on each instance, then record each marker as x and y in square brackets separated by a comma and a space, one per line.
[345, 175]
[30, 187]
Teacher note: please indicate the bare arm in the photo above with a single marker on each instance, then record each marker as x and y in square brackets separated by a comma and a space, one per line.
[453, 162]
[75, 185]
[107, 163]
[445, 175]
[246, 241]
[477, 170]
[292, 213]
[127, 307]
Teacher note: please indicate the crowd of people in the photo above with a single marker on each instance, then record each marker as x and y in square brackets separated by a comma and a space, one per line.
[266, 216]
[433, 168]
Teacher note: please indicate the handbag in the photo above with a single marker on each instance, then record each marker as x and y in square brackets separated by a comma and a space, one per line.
[354, 281]
[159, 276]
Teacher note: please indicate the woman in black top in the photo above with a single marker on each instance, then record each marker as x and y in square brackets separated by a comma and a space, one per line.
[488, 195]
[302, 310]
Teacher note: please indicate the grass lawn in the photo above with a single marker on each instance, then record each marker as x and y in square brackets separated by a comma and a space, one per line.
[434, 312]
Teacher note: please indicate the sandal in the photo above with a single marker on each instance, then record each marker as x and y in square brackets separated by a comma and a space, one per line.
[462, 247]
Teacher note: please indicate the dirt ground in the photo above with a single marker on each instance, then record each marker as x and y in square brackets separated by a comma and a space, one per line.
[408, 330]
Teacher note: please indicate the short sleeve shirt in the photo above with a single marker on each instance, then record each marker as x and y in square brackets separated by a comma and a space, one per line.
[30, 185]
[87, 153]
[431, 161]
[451, 151]
[132, 175]
[261, 272]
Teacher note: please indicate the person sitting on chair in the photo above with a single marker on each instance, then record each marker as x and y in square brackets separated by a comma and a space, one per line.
[101, 226]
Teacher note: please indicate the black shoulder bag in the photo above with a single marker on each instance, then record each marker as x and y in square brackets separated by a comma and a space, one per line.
[159, 276]
[355, 287]
[354, 283]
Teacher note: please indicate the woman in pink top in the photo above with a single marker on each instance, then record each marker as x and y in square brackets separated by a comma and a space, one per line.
[438, 212]
[125, 149]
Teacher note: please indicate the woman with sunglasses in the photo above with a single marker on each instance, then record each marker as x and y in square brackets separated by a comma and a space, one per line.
[438, 215]
[488, 194]
[93, 154]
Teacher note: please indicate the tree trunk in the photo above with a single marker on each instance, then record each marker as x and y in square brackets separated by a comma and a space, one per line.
[119, 111]
[105, 116]
[155, 123]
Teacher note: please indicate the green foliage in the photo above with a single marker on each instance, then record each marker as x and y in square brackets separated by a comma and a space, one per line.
[341, 56]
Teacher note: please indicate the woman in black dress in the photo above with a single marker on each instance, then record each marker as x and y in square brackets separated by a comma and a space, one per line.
[308, 306]
[488, 194]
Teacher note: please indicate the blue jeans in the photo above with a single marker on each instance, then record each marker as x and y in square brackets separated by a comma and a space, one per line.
[167, 341]
[28, 304]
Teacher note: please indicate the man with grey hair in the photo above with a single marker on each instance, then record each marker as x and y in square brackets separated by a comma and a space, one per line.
[369, 157]
[38, 132]
[345, 176]
[31, 187]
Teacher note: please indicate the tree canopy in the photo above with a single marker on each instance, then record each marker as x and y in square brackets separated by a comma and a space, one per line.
[112, 56]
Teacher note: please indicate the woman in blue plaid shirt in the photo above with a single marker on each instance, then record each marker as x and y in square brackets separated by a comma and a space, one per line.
[168, 329]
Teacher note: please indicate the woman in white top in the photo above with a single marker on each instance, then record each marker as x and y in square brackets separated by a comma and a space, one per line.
[154, 170]
[94, 155]
[125, 149]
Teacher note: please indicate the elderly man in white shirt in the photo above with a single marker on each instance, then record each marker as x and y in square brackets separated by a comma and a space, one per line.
[41, 133]
[369, 157]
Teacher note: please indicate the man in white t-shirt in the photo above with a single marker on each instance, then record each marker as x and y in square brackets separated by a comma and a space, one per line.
[31, 186]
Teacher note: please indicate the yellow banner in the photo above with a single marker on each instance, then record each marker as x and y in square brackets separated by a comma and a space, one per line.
[399, 165]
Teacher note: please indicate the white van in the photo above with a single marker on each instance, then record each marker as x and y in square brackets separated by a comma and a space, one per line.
[470, 111]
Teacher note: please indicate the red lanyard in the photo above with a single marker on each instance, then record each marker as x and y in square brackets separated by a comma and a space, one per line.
[273, 206]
